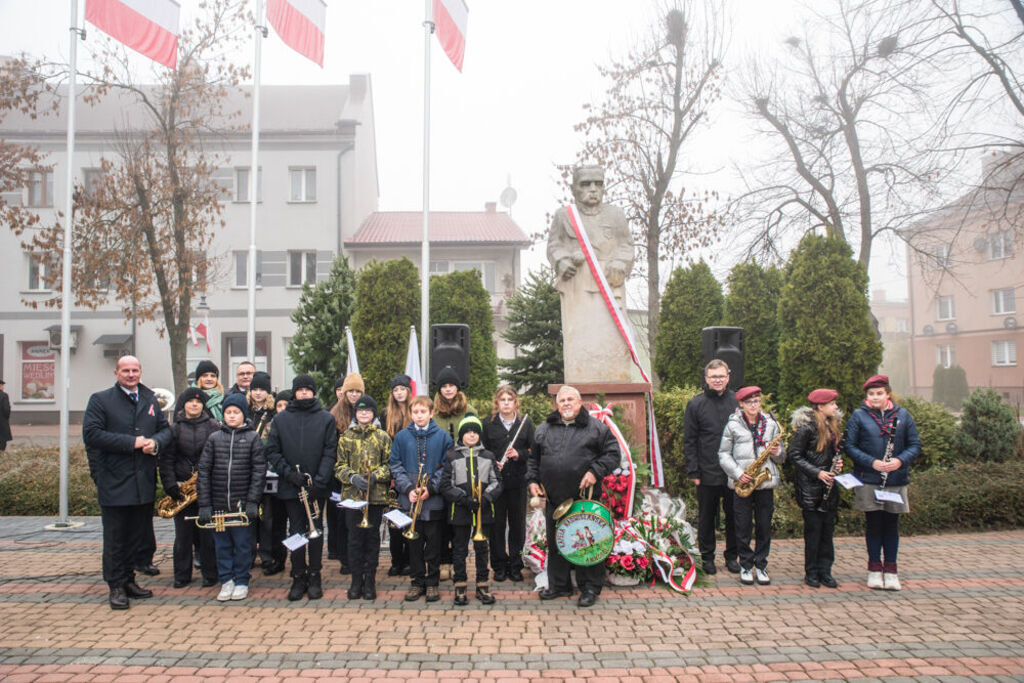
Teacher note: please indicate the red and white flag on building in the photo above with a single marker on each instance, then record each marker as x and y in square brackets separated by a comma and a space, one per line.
[412, 365]
[301, 24]
[451, 18]
[201, 328]
[149, 27]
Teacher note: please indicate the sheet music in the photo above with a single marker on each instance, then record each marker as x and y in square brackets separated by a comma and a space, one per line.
[353, 504]
[398, 518]
[848, 481]
[883, 496]
[295, 541]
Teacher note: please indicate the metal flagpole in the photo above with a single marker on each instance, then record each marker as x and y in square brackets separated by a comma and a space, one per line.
[254, 174]
[428, 25]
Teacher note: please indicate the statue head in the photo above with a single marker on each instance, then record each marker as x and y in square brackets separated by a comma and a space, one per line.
[588, 185]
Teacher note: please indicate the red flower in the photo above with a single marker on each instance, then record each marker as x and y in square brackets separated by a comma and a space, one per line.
[627, 562]
[643, 562]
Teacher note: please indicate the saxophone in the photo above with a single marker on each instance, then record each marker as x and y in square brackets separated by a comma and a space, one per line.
[756, 470]
[168, 507]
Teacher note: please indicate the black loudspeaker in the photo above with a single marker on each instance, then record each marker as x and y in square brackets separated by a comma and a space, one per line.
[728, 344]
[449, 347]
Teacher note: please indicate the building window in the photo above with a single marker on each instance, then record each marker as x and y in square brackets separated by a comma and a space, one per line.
[438, 268]
[1004, 353]
[301, 268]
[237, 348]
[484, 268]
[942, 255]
[91, 179]
[944, 309]
[1003, 301]
[902, 325]
[242, 180]
[40, 188]
[1000, 245]
[38, 273]
[38, 371]
[242, 268]
[303, 184]
[945, 355]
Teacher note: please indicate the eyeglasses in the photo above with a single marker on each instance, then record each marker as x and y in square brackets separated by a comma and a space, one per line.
[717, 378]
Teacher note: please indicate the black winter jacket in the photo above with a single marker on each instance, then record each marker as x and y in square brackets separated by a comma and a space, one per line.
[180, 459]
[563, 453]
[703, 424]
[496, 440]
[232, 469]
[463, 466]
[303, 436]
[123, 474]
[808, 462]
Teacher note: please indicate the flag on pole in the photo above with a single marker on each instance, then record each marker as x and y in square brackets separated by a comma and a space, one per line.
[412, 365]
[451, 18]
[203, 328]
[353, 362]
[150, 27]
[300, 23]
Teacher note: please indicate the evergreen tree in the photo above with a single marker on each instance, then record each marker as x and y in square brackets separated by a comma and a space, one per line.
[692, 301]
[318, 347]
[460, 298]
[989, 429]
[949, 386]
[753, 304]
[387, 304]
[535, 329]
[827, 338]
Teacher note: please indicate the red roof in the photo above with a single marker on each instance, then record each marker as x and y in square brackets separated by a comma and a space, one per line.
[451, 227]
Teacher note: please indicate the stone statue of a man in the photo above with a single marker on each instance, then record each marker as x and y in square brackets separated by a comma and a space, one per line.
[593, 348]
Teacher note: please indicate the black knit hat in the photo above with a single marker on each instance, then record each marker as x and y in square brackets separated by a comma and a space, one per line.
[238, 401]
[448, 376]
[284, 395]
[470, 423]
[188, 395]
[401, 381]
[304, 382]
[260, 380]
[205, 366]
[365, 402]
[339, 383]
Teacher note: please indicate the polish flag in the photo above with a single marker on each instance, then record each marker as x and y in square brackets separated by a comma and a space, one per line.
[203, 328]
[412, 365]
[300, 23]
[149, 27]
[451, 18]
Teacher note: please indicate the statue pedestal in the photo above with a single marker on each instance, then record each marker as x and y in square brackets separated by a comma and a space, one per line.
[632, 396]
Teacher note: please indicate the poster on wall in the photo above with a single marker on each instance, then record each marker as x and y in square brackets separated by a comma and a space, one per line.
[38, 371]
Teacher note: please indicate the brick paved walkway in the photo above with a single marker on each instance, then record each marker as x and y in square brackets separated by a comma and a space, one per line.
[959, 617]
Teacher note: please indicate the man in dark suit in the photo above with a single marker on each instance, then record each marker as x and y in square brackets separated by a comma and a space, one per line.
[123, 430]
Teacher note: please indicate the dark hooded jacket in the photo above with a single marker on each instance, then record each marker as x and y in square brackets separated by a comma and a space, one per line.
[808, 462]
[865, 443]
[303, 434]
[463, 466]
[496, 440]
[180, 459]
[562, 453]
[232, 469]
[411, 447]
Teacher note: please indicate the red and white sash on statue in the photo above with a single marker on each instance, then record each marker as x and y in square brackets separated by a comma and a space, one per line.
[622, 324]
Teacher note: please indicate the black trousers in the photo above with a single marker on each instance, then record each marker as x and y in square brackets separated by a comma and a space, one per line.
[399, 548]
[819, 551]
[146, 550]
[446, 542]
[509, 524]
[460, 551]
[337, 533]
[298, 523]
[186, 536]
[124, 531]
[363, 544]
[425, 553]
[756, 509]
[272, 526]
[708, 498]
[587, 578]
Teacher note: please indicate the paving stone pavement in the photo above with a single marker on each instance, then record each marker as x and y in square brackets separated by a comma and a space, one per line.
[959, 617]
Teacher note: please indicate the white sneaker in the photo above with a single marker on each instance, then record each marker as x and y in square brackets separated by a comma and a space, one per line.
[875, 580]
[762, 576]
[890, 582]
[240, 593]
[226, 589]
[747, 577]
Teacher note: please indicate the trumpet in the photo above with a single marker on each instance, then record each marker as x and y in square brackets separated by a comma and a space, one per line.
[421, 483]
[364, 523]
[311, 513]
[222, 520]
[477, 488]
[168, 507]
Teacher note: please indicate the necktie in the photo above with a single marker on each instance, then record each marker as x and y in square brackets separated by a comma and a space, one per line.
[134, 396]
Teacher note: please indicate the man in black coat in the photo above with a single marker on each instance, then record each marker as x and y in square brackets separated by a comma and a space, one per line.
[571, 451]
[302, 448]
[5, 417]
[243, 378]
[123, 430]
[703, 423]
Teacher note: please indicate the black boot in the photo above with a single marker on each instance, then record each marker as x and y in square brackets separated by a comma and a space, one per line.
[370, 586]
[315, 590]
[299, 584]
[355, 591]
[484, 595]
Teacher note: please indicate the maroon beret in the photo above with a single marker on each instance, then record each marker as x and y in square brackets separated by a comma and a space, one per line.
[876, 381]
[747, 392]
[822, 395]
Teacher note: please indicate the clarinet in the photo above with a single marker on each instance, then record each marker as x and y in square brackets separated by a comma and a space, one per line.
[833, 469]
[889, 448]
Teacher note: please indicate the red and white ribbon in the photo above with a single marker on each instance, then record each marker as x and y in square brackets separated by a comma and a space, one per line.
[626, 460]
[665, 563]
[622, 324]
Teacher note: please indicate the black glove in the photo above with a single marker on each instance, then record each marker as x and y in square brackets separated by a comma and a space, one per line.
[295, 478]
[318, 492]
[252, 511]
[472, 503]
[359, 481]
[205, 515]
[174, 491]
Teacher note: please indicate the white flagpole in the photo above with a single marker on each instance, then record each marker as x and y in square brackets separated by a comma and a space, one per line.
[254, 173]
[428, 26]
[65, 313]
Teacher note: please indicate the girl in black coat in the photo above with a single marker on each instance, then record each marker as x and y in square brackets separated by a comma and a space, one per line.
[815, 452]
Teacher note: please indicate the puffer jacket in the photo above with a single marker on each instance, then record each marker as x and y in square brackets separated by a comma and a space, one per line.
[703, 422]
[496, 440]
[808, 462]
[463, 466]
[736, 450]
[358, 447]
[232, 469]
[304, 435]
[180, 459]
[865, 443]
[410, 447]
[562, 453]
